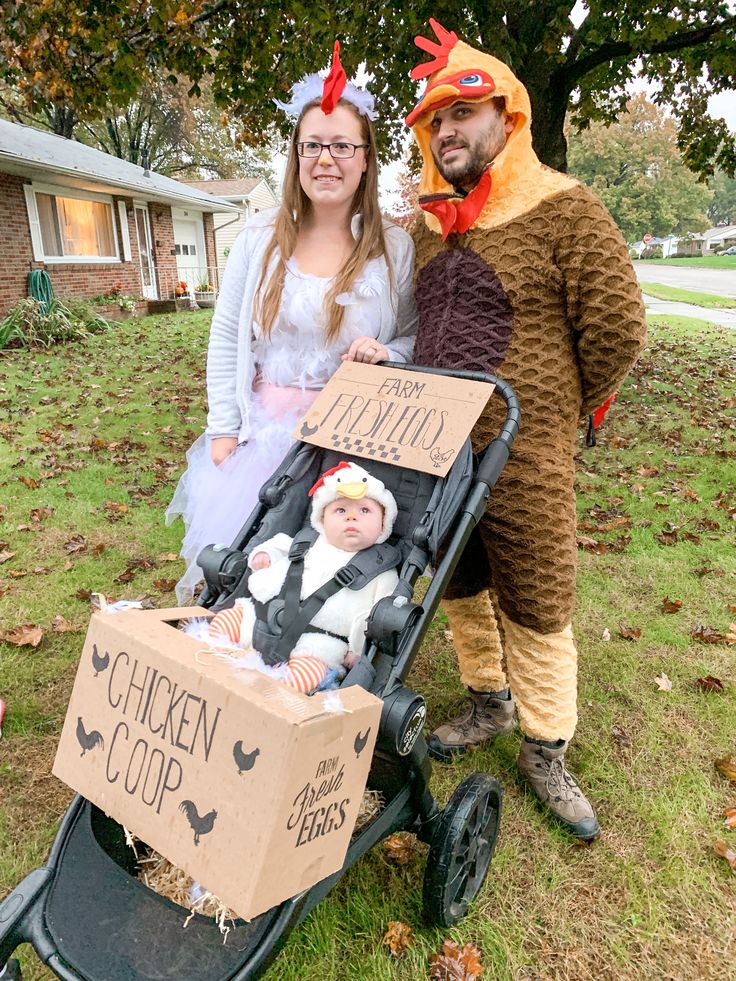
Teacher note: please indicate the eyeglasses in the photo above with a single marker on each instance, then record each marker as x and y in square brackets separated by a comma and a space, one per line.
[338, 151]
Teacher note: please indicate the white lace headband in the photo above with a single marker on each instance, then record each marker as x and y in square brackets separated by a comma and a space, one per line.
[328, 91]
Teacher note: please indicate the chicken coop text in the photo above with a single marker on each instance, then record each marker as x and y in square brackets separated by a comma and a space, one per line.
[170, 714]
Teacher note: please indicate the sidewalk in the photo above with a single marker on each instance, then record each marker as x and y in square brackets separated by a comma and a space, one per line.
[724, 318]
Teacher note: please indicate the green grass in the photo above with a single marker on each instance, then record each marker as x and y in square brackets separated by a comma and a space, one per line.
[688, 296]
[110, 420]
[705, 261]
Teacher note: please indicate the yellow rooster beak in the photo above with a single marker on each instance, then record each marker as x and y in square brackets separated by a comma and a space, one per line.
[353, 491]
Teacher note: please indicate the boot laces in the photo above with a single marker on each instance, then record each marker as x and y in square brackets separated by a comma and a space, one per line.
[560, 782]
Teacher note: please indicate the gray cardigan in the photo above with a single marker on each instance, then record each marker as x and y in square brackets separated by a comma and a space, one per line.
[230, 365]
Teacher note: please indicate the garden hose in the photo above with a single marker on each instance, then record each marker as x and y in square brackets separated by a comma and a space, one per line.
[40, 287]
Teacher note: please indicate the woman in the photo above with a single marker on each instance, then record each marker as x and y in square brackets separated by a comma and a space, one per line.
[321, 279]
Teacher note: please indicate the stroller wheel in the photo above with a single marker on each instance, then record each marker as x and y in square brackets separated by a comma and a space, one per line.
[461, 849]
[10, 970]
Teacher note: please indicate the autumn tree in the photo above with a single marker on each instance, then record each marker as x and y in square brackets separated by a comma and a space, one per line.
[72, 58]
[635, 167]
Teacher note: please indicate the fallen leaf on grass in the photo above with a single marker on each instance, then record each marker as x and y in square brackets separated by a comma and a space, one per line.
[663, 683]
[722, 850]
[30, 483]
[670, 605]
[729, 818]
[26, 635]
[709, 683]
[667, 537]
[164, 585]
[591, 545]
[726, 766]
[399, 848]
[38, 514]
[75, 544]
[708, 635]
[84, 595]
[621, 736]
[168, 557]
[455, 963]
[6, 556]
[628, 632]
[398, 937]
[61, 625]
[606, 635]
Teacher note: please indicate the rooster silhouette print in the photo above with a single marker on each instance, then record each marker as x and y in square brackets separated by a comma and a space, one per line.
[307, 430]
[199, 825]
[88, 740]
[440, 458]
[99, 663]
[244, 761]
[360, 741]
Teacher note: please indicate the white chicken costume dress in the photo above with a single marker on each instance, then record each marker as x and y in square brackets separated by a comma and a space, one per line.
[341, 620]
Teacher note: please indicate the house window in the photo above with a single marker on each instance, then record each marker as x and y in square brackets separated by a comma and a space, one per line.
[72, 226]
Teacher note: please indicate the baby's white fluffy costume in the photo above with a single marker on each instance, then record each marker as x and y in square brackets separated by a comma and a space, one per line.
[345, 613]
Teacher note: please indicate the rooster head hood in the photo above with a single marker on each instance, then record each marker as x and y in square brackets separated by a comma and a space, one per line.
[461, 73]
[348, 480]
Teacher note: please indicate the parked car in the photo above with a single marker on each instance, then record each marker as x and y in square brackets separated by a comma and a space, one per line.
[731, 251]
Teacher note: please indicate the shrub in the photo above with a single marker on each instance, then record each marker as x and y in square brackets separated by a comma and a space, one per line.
[32, 323]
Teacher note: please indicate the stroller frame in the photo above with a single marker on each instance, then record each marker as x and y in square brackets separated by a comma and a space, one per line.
[462, 836]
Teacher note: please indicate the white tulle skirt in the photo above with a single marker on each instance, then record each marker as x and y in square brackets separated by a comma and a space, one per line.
[215, 501]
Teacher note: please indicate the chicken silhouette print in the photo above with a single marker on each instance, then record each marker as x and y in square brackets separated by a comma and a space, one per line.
[440, 458]
[360, 742]
[199, 825]
[99, 663]
[307, 430]
[244, 761]
[88, 740]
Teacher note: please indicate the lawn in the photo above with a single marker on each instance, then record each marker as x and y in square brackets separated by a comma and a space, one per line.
[708, 300]
[91, 444]
[706, 261]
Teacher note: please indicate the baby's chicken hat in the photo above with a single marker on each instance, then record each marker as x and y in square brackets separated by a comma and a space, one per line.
[460, 73]
[350, 481]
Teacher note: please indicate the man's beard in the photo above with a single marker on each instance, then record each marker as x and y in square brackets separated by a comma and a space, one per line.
[465, 173]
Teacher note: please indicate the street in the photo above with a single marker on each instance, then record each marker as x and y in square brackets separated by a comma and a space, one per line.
[722, 282]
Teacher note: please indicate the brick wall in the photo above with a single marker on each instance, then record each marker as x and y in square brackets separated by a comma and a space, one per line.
[81, 279]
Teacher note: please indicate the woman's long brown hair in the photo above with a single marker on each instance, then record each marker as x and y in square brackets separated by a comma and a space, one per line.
[295, 206]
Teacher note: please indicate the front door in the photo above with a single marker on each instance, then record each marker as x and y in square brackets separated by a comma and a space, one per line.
[145, 252]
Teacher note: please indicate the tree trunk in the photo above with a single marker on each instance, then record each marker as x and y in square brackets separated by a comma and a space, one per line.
[549, 96]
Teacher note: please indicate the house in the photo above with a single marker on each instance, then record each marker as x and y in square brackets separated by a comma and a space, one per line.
[92, 220]
[250, 194]
[709, 242]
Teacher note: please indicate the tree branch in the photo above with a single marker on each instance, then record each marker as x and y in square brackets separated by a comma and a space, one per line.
[612, 50]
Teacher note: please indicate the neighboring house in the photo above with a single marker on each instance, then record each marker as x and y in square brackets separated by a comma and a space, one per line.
[92, 220]
[646, 250]
[250, 194]
[708, 242]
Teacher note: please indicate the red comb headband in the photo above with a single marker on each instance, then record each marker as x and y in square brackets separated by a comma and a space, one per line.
[334, 83]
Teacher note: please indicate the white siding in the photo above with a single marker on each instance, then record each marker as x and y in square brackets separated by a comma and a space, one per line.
[261, 198]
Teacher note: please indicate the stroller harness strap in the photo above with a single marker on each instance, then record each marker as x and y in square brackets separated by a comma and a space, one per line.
[288, 616]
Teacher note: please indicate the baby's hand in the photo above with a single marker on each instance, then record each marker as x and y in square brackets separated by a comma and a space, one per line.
[261, 560]
[350, 659]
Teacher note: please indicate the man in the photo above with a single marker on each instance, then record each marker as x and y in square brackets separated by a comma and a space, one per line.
[520, 271]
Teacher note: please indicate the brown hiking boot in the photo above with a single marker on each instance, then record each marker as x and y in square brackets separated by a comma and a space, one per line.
[488, 716]
[545, 770]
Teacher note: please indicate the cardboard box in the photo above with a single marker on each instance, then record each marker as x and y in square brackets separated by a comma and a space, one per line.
[251, 788]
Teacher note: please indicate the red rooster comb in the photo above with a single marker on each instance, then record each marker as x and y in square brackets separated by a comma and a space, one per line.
[334, 83]
[440, 52]
[342, 465]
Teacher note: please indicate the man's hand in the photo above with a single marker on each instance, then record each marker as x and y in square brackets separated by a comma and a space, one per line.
[221, 447]
[367, 350]
[261, 560]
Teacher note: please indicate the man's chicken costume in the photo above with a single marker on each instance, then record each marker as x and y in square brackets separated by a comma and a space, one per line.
[526, 276]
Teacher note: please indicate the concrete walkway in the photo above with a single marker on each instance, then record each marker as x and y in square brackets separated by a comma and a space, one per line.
[724, 318]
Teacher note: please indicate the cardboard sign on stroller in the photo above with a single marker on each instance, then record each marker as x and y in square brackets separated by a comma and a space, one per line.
[249, 787]
[411, 419]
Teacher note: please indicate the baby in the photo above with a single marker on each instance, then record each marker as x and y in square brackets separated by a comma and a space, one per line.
[352, 511]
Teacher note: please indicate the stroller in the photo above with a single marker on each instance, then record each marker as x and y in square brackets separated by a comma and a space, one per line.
[89, 917]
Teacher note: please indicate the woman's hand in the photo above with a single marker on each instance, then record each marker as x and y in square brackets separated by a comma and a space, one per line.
[261, 560]
[367, 350]
[221, 447]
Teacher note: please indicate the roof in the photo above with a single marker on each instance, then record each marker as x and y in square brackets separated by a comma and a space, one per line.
[227, 189]
[38, 154]
[720, 231]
